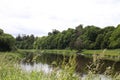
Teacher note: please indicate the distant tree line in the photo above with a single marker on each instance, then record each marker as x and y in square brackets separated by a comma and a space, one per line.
[25, 41]
[89, 37]
[9, 43]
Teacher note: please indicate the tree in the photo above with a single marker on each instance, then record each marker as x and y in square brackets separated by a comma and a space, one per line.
[89, 36]
[37, 43]
[78, 44]
[98, 41]
[67, 37]
[107, 31]
[7, 42]
[19, 38]
[115, 38]
[1, 31]
[25, 41]
[106, 41]
[55, 31]
[79, 30]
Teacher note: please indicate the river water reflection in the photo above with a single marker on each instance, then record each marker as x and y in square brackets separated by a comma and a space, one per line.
[36, 67]
[47, 62]
[48, 69]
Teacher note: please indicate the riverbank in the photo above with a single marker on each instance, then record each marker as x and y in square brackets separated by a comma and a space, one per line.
[104, 54]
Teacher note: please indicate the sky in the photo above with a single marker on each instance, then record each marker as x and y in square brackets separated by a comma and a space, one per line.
[39, 17]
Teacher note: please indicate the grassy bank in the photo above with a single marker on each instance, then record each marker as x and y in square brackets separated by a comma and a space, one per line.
[114, 52]
[105, 54]
[111, 52]
[54, 51]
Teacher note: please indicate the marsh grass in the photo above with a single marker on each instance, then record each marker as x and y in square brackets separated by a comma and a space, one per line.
[96, 66]
[9, 71]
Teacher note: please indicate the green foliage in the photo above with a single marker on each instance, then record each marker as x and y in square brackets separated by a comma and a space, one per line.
[11, 70]
[55, 40]
[90, 37]
[106, 32]
[98, 41]
[78, 44]
[25, 41]
[7, 42]
[115, 38]
[1, 31]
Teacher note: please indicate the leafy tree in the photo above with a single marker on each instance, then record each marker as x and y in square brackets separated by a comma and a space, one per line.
[106, 41]
[25, 41]
[89, 36]
[1, 31]
[79, 30]
[67, 37]
[37, 43]
[115, 38]
[19, 38]
[55, 31]
[78, 44]
[98, 41]
[7, 42]
[60, 41]
[107, 31]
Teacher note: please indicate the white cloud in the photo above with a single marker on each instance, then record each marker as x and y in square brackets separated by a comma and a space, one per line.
[41, 16]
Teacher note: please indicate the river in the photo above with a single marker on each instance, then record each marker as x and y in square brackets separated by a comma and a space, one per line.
[47, 62]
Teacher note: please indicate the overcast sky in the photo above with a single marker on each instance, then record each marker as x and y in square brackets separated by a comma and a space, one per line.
[39, 17]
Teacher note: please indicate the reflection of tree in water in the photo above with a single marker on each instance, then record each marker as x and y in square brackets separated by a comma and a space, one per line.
[83, 64]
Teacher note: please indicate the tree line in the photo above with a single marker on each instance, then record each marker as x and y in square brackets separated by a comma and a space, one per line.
[88, 37]
[25, 41]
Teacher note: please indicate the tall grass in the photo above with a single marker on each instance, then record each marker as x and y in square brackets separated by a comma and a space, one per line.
[96, 66]
[10, 70]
